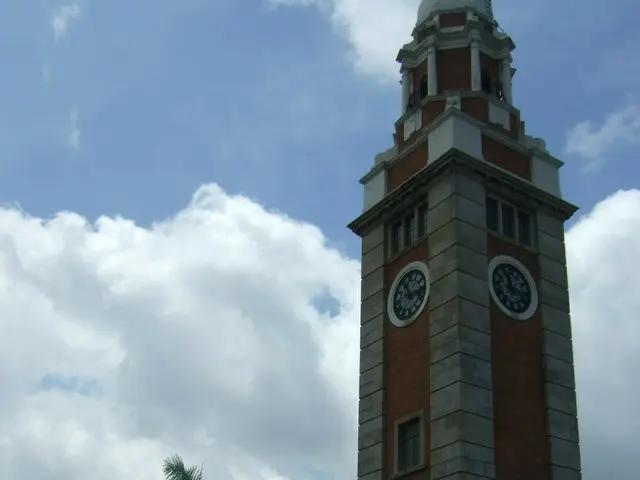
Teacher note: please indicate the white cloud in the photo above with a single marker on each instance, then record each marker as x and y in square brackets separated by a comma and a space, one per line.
[377, 29]
[603, 253]
[203, 335]
[74, 133]
[592, 143]
[61, 19]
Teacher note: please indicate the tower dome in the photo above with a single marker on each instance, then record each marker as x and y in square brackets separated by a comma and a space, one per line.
[429, 6]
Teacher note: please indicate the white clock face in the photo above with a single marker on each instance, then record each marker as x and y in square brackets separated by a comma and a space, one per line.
[409, 294]
[512, 287]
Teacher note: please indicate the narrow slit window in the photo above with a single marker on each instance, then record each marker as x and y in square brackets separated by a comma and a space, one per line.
[409, 230]
[491, 206]
[422, 221]
[486, 80]
[396, 237]
[524, 228]
[498, 90]
[409, 445]
[508, 221]
[424, 87]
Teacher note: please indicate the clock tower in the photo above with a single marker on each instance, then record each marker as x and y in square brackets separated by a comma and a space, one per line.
[466, 361]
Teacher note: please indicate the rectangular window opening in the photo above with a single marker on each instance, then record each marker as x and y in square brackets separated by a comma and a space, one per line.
[491, 205]
[524, 228]
[409, 230]
[424, 87]
[396, 237]
[508, 221]
[409, 444]
[485, 80]
[422, 221]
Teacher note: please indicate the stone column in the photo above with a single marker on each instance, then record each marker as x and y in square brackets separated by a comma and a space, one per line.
[559, 376]
[476, 77]
[406, 88]
[371, 418]
[432, 71]
[461, 386]
[506, 80]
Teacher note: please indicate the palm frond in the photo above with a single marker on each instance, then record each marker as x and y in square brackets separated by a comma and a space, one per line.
[174, 469]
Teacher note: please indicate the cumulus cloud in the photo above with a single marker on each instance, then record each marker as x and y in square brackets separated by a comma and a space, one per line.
[61, 19]
[210, 334]
[377, 29]
[603, 255]
[201, 334]
[592, 142]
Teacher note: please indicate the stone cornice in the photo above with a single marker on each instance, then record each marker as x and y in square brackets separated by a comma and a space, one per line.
[543, 154]
[397, 157]
[413, 53]
[497, 47]
[488, 130]
[405, 195]
[459, 9]
[464, 94]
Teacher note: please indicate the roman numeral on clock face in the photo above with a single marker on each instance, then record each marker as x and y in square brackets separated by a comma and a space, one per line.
[408, 295]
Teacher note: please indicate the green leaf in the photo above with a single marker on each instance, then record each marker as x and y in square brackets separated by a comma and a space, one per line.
[174, 469]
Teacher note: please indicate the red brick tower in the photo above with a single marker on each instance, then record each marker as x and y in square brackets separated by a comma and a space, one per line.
[466, 353]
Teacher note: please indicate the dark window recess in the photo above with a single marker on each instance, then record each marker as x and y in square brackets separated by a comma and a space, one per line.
[396, 237]
[491, 85]
[524, 228]
[409, 230]
[492, 214]
[422, 221]
[424, 87]
[497, 89]
[486, 81]
[405, 232]
[413, 101]
[508, 221]
[409, 445]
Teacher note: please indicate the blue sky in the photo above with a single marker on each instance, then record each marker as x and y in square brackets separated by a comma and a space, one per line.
[170, 95]
[263, 101]
[128, 108]
[180, 96]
